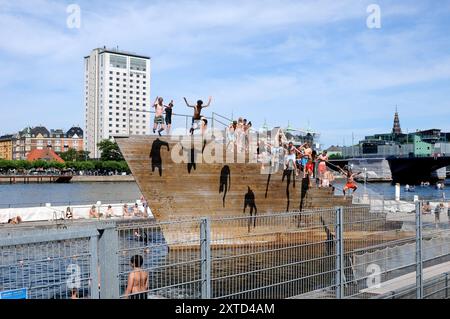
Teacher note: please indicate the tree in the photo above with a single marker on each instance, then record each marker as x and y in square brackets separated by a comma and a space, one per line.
[70, 155]
[83, 155]
[110, 151]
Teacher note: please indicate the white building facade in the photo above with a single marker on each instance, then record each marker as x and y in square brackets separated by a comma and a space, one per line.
[116, 98]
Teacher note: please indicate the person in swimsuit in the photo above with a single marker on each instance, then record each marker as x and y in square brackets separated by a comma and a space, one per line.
[306, 150]
[350, 180]
[93, 212]
[231, 134]
[159, 119]
[137, 280]
[196, 119]
[169, 116]
[322, 167]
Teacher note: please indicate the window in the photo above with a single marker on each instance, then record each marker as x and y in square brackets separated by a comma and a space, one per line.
[110, 72]
[117, 61]
[110, 101]
[110, 78]
[117, 79]
[117, 73]
[138, 64]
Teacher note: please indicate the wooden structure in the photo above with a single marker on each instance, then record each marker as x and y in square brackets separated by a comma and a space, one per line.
[176, 189]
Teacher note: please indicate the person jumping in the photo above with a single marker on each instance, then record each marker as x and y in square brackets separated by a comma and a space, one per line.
[196, 119]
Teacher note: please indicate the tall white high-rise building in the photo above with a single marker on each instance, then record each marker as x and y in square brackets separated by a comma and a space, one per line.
[117, 92]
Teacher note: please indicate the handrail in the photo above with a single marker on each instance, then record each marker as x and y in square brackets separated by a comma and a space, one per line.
[225, 118]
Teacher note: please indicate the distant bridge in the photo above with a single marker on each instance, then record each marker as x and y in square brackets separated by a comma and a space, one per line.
[415, 170]
[409, 170]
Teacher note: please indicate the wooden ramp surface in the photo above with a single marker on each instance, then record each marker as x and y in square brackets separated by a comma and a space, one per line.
[194, 189]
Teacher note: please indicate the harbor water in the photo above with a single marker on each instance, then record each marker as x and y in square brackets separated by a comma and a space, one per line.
[26, 195]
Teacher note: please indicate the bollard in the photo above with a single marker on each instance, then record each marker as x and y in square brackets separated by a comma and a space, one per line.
[397, 191]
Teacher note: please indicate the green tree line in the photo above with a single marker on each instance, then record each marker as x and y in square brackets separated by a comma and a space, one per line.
[111, 160]
[120, 166]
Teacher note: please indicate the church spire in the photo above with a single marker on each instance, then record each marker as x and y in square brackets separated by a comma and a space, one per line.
[396, 129]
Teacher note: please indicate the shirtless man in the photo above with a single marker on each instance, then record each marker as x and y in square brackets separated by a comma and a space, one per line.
[137, 280]
[197, 113]
[350, 180]
[159, 119]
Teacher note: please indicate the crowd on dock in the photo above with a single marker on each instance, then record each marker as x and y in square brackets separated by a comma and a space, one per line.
[15, 216]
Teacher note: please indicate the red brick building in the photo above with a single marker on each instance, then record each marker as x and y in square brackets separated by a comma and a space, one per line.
[40, 138]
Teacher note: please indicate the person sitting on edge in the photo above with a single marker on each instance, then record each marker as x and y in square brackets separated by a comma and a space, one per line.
[197, 113]
[69, 214]
[159, 119]
[15, 220]
[125, 211]
[136, 211]
[137, 286]
[109, 212]
[93, 212]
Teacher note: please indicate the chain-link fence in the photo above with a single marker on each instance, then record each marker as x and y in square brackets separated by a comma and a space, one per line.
[349, 252]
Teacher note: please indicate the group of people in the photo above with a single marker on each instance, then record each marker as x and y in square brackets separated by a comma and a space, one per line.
[237, 134]
[438, 211]
[132, 211]
[163, 116]
[303, 160]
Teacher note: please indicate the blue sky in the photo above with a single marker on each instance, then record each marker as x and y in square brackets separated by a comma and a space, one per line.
[304, 62]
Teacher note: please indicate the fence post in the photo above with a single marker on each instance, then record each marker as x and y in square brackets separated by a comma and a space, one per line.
[446, 285]
[205, 256]
[108, 247]
[339, 273]
[93, 247]
[419, 260]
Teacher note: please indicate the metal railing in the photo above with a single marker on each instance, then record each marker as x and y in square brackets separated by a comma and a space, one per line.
[342, 252]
